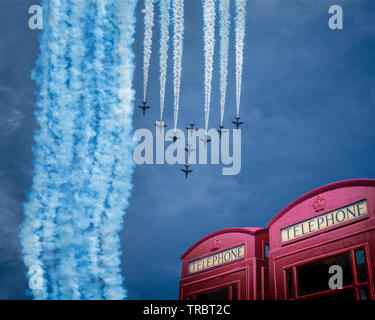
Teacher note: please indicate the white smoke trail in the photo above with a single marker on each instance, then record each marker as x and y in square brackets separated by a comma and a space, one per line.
[209, 45]
[71, 216]
[178, 20]
[81, 82]
[62, 114]
[97, 165]
[83, 154]
[149, 23]
[224, 45]
[119, 129]
[32, 231]
[240, 36]
[164, 38]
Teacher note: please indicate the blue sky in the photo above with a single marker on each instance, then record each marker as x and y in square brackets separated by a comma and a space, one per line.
[307, 102]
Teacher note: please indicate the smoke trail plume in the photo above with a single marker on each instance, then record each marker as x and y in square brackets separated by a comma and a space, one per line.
[40, 207]
[83, 163]
[209, 45]
[178, 19]
[224, 45]
[149, 24]
[164, 38]
[240, 36]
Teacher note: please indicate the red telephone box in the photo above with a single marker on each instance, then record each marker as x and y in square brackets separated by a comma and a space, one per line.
[229, 264]
[327, 232]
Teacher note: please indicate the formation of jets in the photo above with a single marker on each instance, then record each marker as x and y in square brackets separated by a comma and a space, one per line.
[161, 125]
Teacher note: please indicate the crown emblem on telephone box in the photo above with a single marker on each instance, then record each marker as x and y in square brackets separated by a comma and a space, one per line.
[319, 204]
[215, 244]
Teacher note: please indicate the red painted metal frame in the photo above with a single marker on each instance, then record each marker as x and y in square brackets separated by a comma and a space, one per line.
[218, 286]
[345, 237]
[351, 250]
[241, 284]
[243, 272]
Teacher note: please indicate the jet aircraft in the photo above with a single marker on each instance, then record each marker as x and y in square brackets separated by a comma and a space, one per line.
[186, 171]
[189, 150]
[206, 140]
[144, 107]
[237, 123]
[160, 124]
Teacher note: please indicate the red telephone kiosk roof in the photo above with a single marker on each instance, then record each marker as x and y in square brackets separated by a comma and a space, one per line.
[328, 187]
[248, 230]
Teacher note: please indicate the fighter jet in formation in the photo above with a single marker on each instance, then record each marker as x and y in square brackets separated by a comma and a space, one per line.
[186, 171]
[220, 130]
[237, 123]
[191, 126]
[189, 150]
[175, 137]
[206, 140]
[160, 124]
[144, 107]
[191, 129]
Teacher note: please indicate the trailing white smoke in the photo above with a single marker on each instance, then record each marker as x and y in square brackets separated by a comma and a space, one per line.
[93, 176]
[69, 238]
[149, 24]
[178, 20]
[224, 46]
[240, 36]
[122, 164]
[209, 45]
[36, 210]
[83, 149]
[164, 38]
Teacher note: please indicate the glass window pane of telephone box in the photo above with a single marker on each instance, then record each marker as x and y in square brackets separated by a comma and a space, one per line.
[312, 280]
